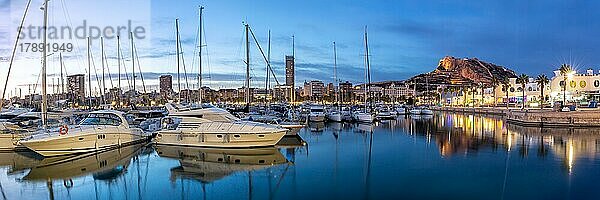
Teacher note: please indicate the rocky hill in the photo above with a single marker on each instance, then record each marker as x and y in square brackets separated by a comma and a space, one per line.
[463, 72]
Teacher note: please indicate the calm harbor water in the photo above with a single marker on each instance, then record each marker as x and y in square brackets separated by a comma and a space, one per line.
[446, 156]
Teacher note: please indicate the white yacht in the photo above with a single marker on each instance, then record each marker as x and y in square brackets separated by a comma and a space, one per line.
[346, 114]
[363, 117]
[400, 111]
[425, 111]
[421, 111]
[317, 113]
[415, 111]
[100, 130]
[334, 115]
[383, 114]
[215, 127]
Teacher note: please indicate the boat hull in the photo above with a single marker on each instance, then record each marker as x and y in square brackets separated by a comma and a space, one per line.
[221, 140]
[336, 117]
[77, 144]
[316, 118]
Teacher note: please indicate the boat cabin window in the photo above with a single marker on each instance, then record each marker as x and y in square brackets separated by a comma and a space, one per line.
[102, 119]
[316, 110]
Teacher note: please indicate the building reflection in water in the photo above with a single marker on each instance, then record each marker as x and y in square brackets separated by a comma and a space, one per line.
[466, 134]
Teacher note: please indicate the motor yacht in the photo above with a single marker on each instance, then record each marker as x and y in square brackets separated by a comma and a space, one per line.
[415, 111]
[363, 117]
[317, 113]
[214, 127]
[334, 115]
[383, 114]
[400, 111]
[100, 130]
[346, 114]
[426, 111]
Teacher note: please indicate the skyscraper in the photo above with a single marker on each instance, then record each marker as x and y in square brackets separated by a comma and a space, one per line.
[289, 74]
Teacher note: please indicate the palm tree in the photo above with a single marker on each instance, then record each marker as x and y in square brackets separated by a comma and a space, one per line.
[542, 80]
[565, 69]
[494, 84]
[506, 86]
[523, 79]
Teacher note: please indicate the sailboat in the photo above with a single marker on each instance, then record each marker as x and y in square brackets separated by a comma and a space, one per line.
[334, 114]
[365, 116]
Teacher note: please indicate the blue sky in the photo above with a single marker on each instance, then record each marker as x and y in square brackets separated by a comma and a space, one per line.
[405, 37]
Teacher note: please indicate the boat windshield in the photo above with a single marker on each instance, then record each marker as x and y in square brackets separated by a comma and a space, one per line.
[102, 119]
[316, 110]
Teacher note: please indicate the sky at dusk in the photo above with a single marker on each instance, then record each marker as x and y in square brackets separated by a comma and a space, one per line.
[405, 37]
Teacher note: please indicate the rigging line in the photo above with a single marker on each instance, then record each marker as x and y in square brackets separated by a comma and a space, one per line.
[185, 76]
[78, 52]
[108, 69]
[183, 64]
[206, 48]
[12, 57]
[125, 69]
[264, 57]
[139, 67]
[97, 78]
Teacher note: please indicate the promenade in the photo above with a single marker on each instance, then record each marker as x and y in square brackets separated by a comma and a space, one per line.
[583, 117]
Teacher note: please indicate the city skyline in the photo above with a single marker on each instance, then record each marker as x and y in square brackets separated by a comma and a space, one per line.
[528, 37]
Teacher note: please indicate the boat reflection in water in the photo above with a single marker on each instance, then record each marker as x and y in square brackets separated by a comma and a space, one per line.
[103, 165]
[212, 164]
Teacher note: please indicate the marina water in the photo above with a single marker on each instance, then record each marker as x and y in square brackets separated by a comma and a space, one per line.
[443, 156]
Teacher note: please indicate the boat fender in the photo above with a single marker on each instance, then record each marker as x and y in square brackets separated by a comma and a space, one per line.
[63, 130]
[68, 183]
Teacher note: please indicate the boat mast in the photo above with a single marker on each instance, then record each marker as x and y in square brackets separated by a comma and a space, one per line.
[335, 80]
[247, 67]
[132, 63]
[177, 54]
[368, 66]
[44, 63]
[89, 71]
[119, 71]
[268, 66]
[103, 90]
[293, 95]
[200, 59]
[62, 78]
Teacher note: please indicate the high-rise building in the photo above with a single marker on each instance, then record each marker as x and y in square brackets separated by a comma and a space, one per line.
[76, 86]
[166, 85]
[314, 90]
[289, 75]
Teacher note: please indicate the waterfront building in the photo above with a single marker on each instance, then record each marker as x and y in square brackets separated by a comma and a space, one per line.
[582, 88]
[314, 90]
[346, 91]
[166, 85]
